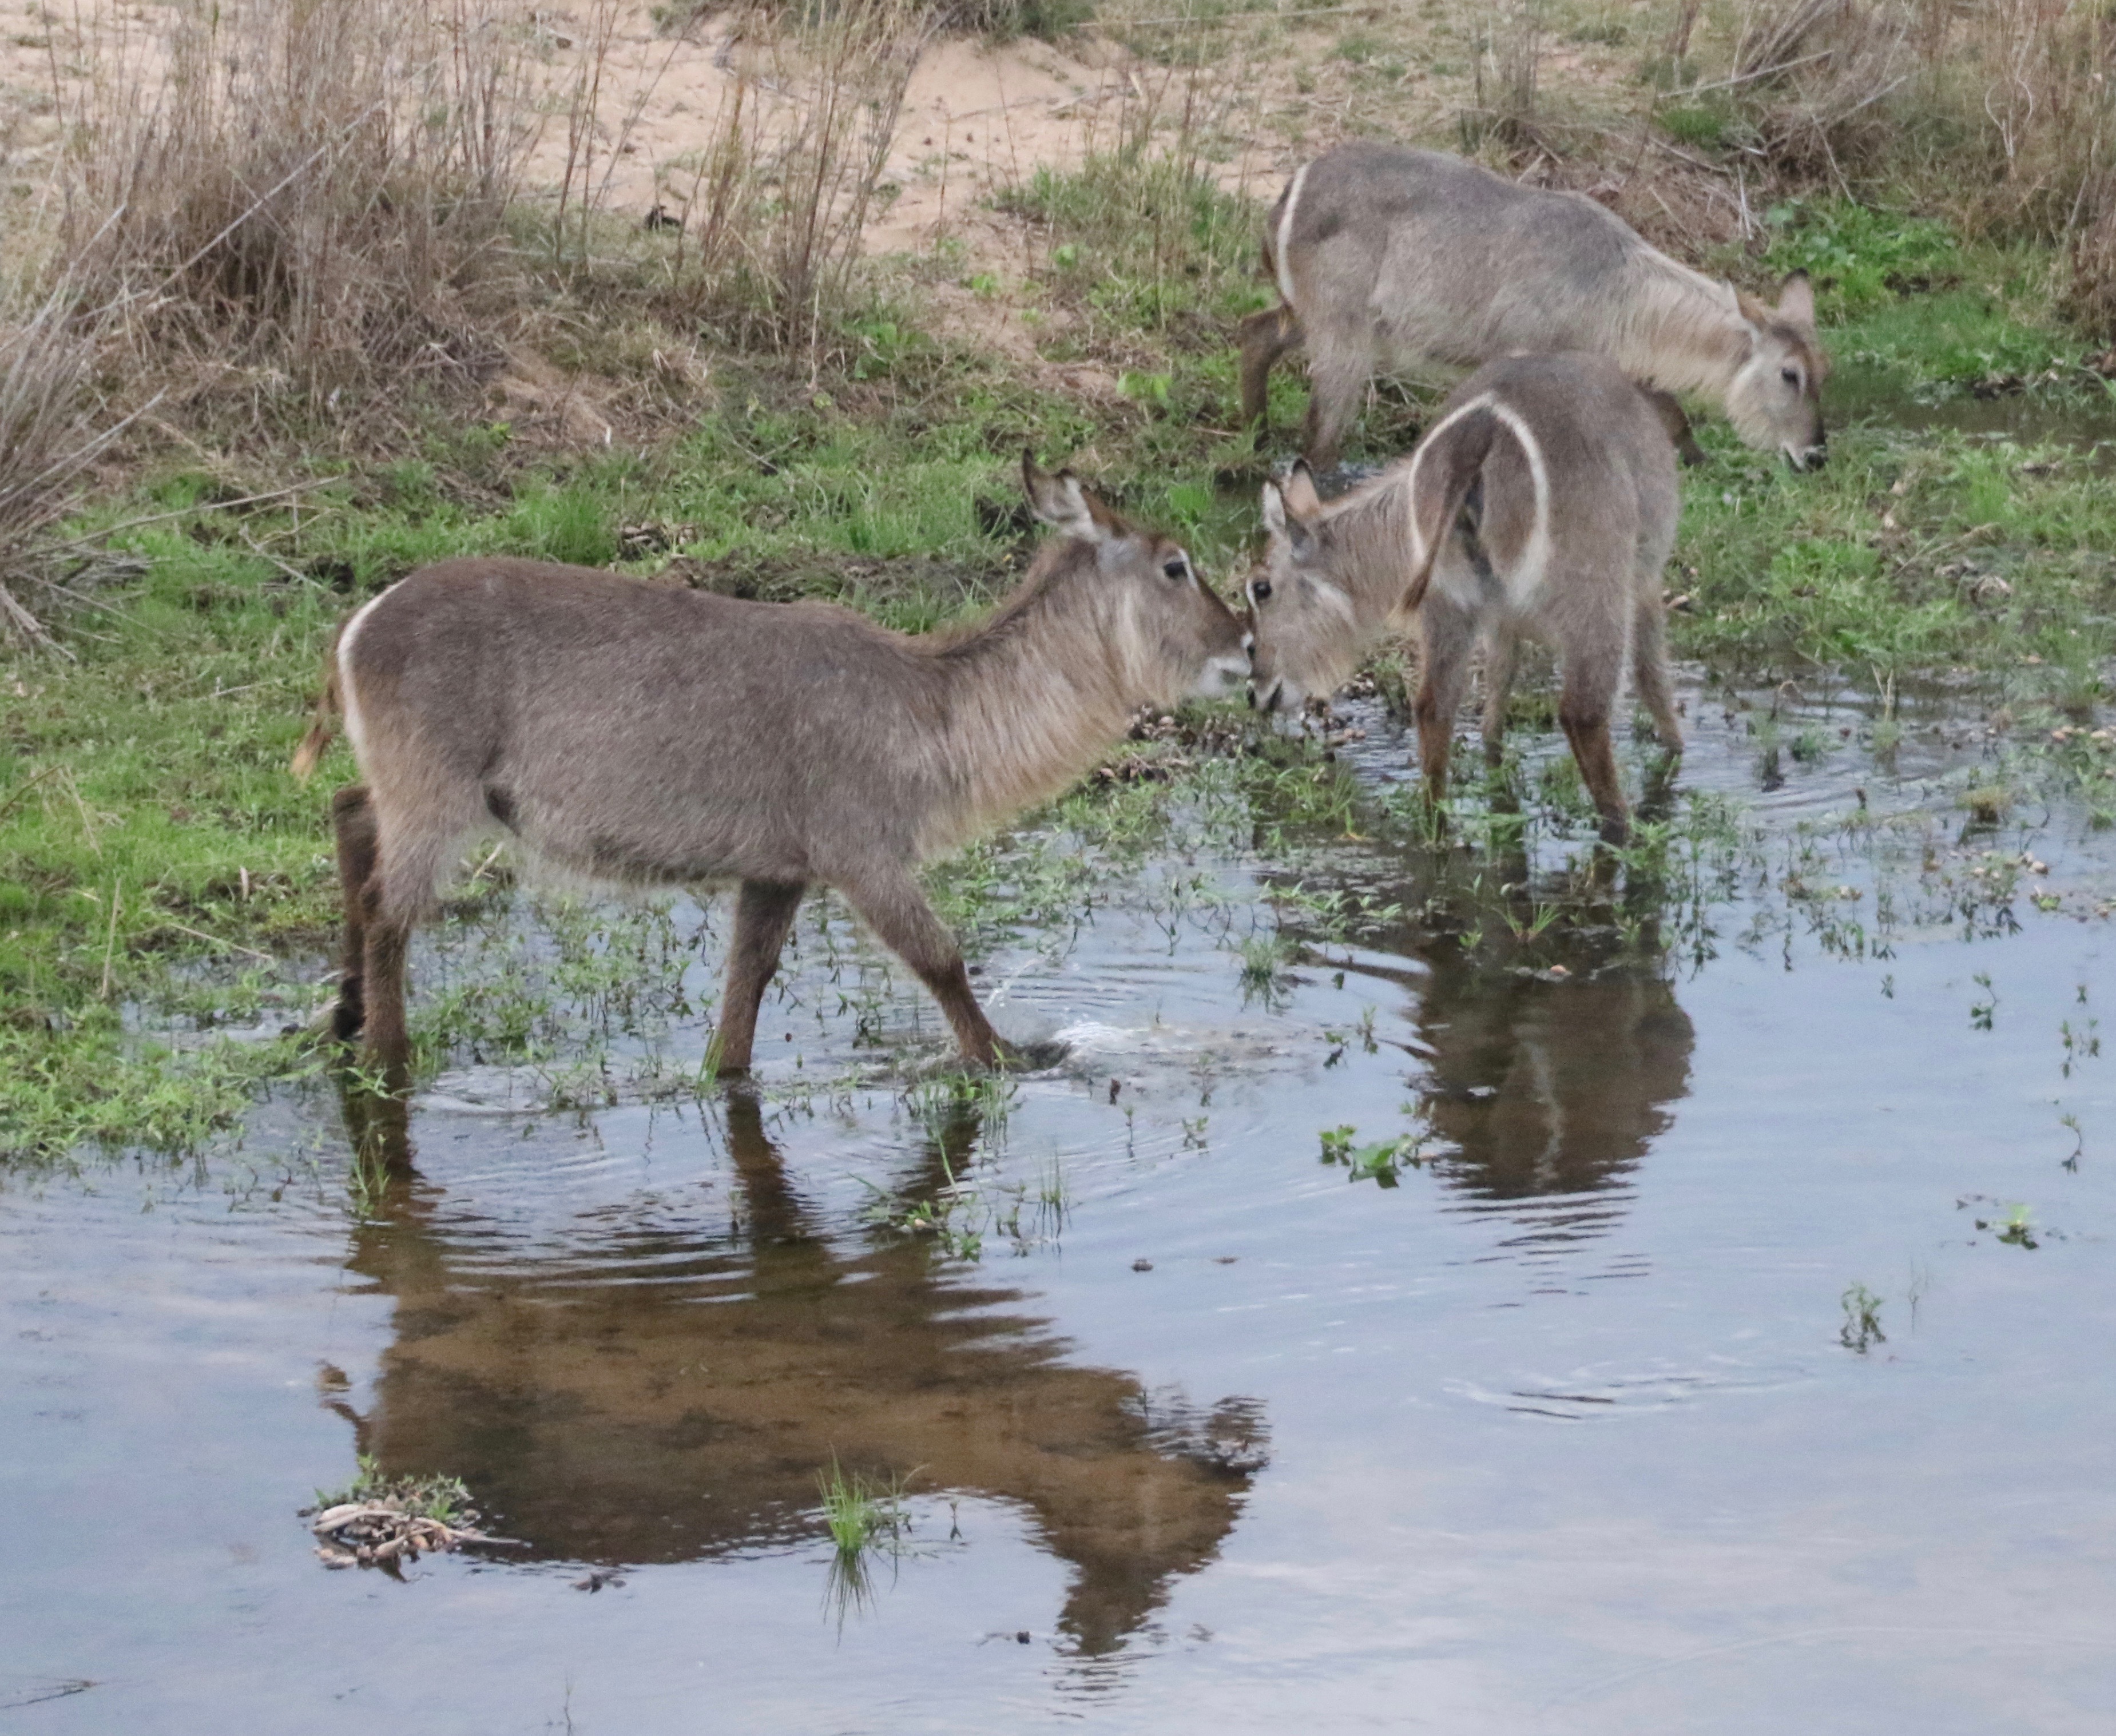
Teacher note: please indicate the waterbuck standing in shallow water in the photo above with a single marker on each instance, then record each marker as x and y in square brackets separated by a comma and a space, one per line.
[1543, 502]
[1388, 257]
[653, 736]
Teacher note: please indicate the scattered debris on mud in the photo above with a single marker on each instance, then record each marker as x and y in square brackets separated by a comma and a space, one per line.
[374, 1533]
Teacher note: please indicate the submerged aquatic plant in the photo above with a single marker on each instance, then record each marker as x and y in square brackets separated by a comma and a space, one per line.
[1862, 1320]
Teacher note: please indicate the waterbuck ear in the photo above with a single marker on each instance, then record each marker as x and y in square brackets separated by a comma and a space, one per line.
[1797, 301]
[1062, 504]
[1283, 526]
[1274, 511]
[1301, 499]
[1752, 311]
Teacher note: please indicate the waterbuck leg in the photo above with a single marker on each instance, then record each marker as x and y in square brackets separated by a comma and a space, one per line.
[1336, 375]
[1265, 337]
[1448, 633]
[1583, 711]
[388, 942]
[352, 820]
[1676, 422]
[764, 915]
[1499, 655]
[1649, 666]
[891, 904]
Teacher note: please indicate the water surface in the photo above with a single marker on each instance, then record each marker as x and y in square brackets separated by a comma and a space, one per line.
[1556, 1433]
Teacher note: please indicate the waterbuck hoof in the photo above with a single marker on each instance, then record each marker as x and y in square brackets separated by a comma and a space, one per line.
[346, 1018]
[1032, 1058]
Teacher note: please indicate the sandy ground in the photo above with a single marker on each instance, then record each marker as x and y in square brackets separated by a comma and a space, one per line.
[976, 116]
[1256, 92]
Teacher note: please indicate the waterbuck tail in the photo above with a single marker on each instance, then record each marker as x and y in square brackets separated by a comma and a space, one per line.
[322, 720]
[1443, 472]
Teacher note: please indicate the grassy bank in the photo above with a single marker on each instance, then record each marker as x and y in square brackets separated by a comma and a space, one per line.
[167, 896]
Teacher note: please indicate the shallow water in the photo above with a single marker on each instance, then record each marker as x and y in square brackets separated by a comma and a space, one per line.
[1859, 394]
[1555, 1432]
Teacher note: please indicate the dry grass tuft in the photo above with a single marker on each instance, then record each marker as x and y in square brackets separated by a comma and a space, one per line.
[47, 438]
[310, 194]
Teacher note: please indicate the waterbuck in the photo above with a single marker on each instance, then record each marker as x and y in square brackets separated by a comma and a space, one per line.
[1386, 257]
[1542, 502]
[648, 735]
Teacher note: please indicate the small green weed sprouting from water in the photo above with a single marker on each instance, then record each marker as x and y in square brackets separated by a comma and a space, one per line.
[2070, 1121]
[2083, 1044]
[943, 1099]
[1982, 1011]
[1862, 1320]
[367, 1179]
[861, 1512]
[2017, 1228]
[427, 1497]
[863, 1515]
[1378, 1162]
[1542, 913]
[955, 1216]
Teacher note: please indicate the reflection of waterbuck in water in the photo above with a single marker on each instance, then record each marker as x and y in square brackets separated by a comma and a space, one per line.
[645, 734]
[1567, 474]
[619, 1388]
[1385, 257]
[1540, 1087]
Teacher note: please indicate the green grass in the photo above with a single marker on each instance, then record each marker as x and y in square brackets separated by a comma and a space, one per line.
[444, 1499]
[860, 1512]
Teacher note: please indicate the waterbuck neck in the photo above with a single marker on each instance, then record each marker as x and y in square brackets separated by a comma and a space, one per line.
[1033, 693]
[1371, 535]
[1679, 329]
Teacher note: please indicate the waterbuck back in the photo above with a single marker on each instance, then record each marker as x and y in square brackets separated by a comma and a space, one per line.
[650, 735]
[1543, 503]
[1386, 257]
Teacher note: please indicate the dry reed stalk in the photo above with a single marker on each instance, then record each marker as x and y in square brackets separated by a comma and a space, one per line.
[778, 203]
[1504, 79]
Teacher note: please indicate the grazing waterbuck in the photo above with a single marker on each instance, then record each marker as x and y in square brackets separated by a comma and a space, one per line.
[1386, 257]
[645, 734]
[1543, 502]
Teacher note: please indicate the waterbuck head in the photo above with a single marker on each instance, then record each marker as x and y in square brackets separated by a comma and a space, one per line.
[1775, 399]
[1169, 634]
[1306, 636]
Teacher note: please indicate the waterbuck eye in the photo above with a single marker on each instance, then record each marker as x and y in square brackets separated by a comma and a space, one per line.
[1790, 376]
[1177, 566]
[1260, 592]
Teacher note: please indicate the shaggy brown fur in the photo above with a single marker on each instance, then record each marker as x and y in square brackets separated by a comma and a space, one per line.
[1386, 257]
[645, 735]
[1570, 476]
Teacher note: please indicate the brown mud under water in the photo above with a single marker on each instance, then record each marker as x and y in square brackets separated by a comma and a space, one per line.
[1548, 1422]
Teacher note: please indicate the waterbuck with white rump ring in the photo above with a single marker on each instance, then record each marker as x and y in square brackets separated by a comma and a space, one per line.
[650, 735]
[1385, 257]
[1543, 503]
